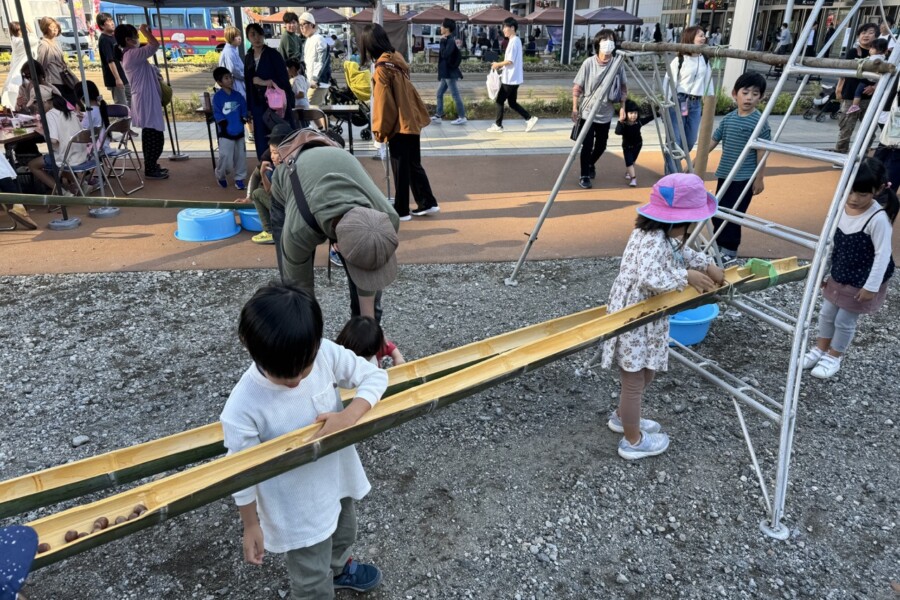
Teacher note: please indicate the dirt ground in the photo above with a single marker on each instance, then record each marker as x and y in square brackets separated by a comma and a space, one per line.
[516, 492]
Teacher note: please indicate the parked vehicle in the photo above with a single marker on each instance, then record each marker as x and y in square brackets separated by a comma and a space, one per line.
[187, 31]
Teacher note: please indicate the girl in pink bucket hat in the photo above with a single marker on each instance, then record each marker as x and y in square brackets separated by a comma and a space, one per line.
[656, 260]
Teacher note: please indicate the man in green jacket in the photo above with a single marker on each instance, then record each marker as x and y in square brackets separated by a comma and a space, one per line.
[348, 208]
[291, 44]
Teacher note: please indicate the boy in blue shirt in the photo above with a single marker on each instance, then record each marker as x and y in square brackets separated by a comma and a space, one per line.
[734, 132]
[230, 114]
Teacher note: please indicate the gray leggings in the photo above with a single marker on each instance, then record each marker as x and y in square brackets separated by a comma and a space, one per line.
[838, 325]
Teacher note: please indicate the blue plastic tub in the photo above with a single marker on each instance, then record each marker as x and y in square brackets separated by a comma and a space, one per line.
[250, 219]
[689, 327]
[206, 224]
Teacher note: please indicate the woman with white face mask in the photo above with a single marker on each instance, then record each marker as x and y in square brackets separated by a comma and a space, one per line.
[586, 90]
[693, 81]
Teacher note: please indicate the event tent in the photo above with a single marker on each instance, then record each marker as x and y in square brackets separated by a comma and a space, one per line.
[611, 16]
[437, 14]
[551, 16]
[493, 15]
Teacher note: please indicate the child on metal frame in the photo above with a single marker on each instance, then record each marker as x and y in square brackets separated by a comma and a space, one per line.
[308, 512]
[656, 260]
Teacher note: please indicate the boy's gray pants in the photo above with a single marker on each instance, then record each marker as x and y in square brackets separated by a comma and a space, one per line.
[312, 570]
[232, 159]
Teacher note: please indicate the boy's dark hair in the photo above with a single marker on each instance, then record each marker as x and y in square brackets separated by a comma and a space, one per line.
[254, 27]
[293, 63]
[647, 224]
[361, 335]
[870, 177]
[373, 42]
[510, 22]
[219, 73]
[290, 17]
[449, 24]
[751, 79]
[281, 327]
[123, 33]
[631, 106]
[880, 44]
[102, 18]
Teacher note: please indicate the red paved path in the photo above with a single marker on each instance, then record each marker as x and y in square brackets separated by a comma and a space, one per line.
[487, 204]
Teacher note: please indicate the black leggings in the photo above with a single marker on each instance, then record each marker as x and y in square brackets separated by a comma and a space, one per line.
[593, 147]
[508, 93]
[152, 142]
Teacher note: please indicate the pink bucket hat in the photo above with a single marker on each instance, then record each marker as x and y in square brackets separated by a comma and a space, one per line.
[679, 198]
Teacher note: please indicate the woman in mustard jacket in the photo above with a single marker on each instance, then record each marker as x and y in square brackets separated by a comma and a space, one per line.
[398, 116]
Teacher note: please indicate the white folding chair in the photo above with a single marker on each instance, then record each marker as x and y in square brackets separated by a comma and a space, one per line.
[121, 146]
[84, 170]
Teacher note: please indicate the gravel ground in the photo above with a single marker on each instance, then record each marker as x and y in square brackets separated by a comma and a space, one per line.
[514, 493]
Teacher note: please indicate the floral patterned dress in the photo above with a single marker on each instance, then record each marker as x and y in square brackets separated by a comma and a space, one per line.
[652, 264]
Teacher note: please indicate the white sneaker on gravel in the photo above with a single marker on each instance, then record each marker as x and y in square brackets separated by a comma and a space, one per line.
[495, 129]
[827, 368]
[647, 425]
[811, 358]
[530, 124]
[651, 444]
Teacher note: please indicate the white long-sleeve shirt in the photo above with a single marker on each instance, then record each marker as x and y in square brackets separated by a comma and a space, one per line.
[315, 53]
[694, 76]
[300, 508]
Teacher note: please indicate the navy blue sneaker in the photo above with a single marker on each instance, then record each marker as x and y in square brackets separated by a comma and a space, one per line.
[239, 184]
[357, 576]
[223, 183]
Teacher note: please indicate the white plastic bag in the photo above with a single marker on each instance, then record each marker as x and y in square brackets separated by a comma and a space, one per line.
[493, 84]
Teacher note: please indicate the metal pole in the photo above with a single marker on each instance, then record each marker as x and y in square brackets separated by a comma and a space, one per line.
[177, 155]
[565, 49]
[84, 95]
[602, 92]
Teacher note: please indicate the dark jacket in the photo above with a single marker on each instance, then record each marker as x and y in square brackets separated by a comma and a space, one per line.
[449, 59]
[271, 66]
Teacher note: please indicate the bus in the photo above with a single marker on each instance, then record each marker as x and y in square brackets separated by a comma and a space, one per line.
[186, 31]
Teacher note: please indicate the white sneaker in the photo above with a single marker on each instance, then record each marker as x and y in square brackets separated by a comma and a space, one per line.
[811, 358]
[406, 218]
[530, 124]
[647, 425]
[651, 444]
[426, 211]
[633, 182]
[827, 368]
[436, 119]
[459, 121]
[495, 129]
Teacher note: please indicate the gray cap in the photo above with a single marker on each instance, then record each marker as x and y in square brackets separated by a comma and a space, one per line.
[368, 242]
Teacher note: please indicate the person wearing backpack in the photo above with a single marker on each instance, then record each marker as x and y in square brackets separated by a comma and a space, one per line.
[693, 81]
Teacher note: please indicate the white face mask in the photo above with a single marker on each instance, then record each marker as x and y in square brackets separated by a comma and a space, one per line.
[606, 46]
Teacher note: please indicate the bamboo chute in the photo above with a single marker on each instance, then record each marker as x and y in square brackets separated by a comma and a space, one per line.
[205, 483]
[135, 462]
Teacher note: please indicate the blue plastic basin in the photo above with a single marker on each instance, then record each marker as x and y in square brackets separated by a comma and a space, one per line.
[250, 219]
[689, 327]
[206, 224]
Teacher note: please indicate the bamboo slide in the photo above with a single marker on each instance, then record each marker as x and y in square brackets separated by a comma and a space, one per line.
[157, 501]
[136, 462]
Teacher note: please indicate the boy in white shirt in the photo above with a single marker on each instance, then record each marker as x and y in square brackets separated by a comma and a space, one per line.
[511, 78]
[307, 513]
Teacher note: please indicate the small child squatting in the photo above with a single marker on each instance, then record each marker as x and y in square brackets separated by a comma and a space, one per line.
[861, 265]
[655, 261]
[364, 337]
[308, 512]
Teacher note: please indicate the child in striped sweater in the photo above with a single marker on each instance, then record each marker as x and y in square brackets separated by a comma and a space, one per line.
[734, 132]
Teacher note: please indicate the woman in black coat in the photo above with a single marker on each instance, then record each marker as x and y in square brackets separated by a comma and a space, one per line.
[264, 68]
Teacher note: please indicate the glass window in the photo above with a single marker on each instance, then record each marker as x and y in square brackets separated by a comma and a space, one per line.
[131, 19]
[196, 21]
[219, 19]
[168, 21]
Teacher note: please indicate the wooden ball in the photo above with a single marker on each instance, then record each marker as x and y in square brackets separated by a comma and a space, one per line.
[140, 509]
[102, 523]
[83, 534]
[43, 547]
[71, 535]
[120, 519]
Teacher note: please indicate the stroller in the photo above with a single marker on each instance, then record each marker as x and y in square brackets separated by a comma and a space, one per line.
[358, 92]
[826, 104]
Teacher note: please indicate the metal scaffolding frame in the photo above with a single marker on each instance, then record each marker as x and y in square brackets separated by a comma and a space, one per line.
[743, 394]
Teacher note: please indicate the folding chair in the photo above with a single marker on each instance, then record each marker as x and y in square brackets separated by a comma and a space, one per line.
[124, 148]
[84, 170]
[311, 115]
[117, 111]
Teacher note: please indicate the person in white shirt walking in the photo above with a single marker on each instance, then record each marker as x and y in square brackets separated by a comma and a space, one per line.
[511, 78]
[316, 58]
[308, 512]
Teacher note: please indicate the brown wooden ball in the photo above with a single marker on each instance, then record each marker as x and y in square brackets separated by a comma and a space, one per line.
[71, 535]
[83, 534]
[102, 523]
[121, 519]
[43, 547]
[140, 509]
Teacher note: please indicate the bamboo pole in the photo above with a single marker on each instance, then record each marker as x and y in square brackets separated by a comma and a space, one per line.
[763, 57]
[206, 483]
[124, 465]
[93, 201]
[705, 136]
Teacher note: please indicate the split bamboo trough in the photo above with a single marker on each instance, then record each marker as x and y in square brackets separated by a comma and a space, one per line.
[482, 367]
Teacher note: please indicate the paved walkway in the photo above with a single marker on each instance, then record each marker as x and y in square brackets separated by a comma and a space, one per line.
[551, 136]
